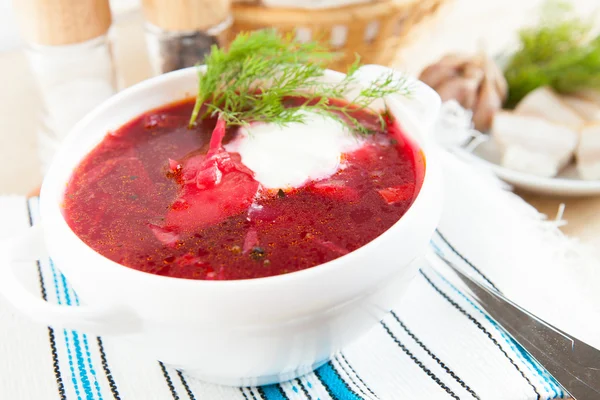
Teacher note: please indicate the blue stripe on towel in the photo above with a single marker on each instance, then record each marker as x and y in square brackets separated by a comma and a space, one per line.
[334, 384]
[66, 335]
[83, 373]
[272, 392]
[352, 379]
[86, 345]
[51, 334]
[74, 351]
[302, 388]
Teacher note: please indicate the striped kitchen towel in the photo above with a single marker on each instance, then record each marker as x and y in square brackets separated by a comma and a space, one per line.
[438, 344]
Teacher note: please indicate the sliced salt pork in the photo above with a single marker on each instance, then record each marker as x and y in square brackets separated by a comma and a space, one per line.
[589, 95]
[545, 103]
[533, 145]
[586, 109]
[588, 152]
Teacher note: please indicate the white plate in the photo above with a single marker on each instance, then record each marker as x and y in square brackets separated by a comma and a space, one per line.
[567, 183]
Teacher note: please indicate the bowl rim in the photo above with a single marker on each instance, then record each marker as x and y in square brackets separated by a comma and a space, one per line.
[58, 222]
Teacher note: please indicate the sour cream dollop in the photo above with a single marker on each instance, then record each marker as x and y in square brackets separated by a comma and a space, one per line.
[292, 155]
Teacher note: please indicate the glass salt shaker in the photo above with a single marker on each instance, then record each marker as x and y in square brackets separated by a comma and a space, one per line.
[69, 52]
[180, 34]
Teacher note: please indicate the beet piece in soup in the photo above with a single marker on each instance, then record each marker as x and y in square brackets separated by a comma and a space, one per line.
[215, 186]
[166, 199]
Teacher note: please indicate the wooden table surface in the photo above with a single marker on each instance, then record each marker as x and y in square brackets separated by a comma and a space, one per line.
[465, 25]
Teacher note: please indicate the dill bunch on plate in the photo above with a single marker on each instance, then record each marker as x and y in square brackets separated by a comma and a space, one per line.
[251, 79]
[561, 52]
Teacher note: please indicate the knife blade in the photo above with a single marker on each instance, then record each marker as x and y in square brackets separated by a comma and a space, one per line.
[574, 364]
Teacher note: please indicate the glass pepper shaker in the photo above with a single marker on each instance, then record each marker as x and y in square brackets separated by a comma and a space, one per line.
[180, 34]
[70, 55]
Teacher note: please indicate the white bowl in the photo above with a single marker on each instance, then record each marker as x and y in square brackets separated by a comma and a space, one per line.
[246, 332]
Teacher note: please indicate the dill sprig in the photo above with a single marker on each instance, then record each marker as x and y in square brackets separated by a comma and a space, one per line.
[560, 52]
[251, 80]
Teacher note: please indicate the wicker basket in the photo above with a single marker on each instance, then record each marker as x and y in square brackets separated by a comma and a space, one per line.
[374, 30]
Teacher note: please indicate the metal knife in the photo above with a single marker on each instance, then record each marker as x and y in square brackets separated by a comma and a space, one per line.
[574, 364]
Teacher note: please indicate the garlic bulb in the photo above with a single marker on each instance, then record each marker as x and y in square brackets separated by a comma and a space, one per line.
[476, 83]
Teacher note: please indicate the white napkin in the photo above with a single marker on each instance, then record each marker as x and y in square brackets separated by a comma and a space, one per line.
[438, 344]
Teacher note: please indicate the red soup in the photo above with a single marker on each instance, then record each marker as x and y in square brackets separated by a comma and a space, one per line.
[166, 199]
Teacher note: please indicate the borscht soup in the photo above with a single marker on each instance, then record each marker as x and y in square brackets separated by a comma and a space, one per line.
[269, 170]
[201, 202]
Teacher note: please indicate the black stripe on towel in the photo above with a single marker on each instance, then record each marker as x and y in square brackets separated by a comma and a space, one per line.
[481, 328]
[185, 385]
[435, 358]
[55, 366]
[466, 260]
[282, 392]
[169, 381]
[252, 394]
[280, 388]
[244, 393]
[111, 381]
[262, 394]
[350, 377]
[51, 337]
[337, 373]
[356, 375]
[419, 363]
[343, 368]
[303, 388]
[327, 388]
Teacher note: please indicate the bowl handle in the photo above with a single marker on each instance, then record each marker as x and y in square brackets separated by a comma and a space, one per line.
[423, 103]
[30, 246]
